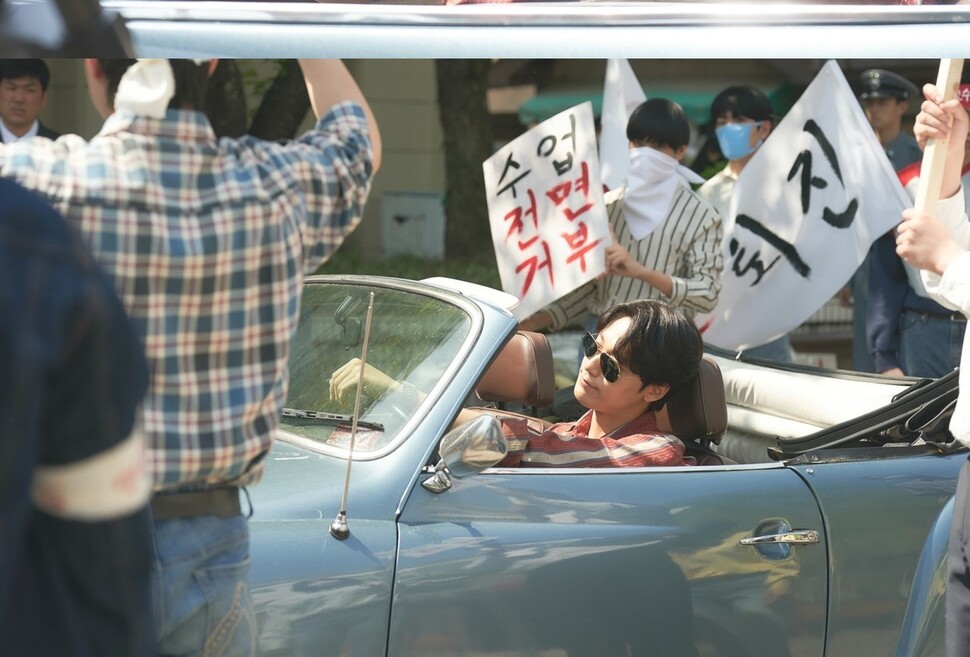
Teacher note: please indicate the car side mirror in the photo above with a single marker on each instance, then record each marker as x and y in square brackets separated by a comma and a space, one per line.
[466, 450]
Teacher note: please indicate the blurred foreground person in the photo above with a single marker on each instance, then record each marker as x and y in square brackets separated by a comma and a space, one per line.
[75, 532]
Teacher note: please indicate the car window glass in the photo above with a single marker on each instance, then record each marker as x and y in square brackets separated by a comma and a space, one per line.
[413, 338]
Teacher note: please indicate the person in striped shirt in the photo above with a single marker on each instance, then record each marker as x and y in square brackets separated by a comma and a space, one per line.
[667, 238]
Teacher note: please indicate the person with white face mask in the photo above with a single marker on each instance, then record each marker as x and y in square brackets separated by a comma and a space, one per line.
[667, 239]
[743, 119]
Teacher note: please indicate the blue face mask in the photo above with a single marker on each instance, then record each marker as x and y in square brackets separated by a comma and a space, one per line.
[735, 139]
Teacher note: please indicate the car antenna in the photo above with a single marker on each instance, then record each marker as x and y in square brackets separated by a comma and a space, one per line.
[339, 528]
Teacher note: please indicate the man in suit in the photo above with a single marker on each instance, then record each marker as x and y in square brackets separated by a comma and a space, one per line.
[23, 94]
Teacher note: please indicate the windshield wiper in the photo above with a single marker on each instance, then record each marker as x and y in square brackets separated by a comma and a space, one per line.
[331, 418]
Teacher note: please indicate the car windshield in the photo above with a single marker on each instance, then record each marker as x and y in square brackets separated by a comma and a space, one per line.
[412, 339]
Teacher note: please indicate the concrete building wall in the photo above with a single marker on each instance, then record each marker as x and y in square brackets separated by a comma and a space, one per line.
[404, 97]
[69, 109]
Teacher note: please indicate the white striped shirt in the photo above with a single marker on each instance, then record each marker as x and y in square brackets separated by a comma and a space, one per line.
[686, 247]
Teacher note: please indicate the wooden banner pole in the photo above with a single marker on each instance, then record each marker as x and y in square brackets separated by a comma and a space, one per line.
[934, 155]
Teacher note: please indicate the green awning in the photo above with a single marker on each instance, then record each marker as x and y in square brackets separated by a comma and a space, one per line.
[696, 104]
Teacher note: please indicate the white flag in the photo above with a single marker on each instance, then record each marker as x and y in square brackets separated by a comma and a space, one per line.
[622, 94]
[805, 210]
[546, 210]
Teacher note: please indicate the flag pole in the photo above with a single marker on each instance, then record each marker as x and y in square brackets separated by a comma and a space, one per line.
[934, 156]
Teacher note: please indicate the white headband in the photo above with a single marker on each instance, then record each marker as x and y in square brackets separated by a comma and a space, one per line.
[147, 87]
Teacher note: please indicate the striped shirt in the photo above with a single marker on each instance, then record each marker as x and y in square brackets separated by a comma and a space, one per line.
[567, 445]
[686, 247]
[207, 242]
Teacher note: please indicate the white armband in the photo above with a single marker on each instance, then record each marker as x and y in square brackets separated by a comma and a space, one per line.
[108, 485]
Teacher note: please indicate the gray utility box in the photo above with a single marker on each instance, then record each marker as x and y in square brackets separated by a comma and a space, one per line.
[413, 223]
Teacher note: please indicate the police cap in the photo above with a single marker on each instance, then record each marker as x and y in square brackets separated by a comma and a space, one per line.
[877, 83]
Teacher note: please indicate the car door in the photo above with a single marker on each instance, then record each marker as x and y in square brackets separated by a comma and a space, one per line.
[611, 562]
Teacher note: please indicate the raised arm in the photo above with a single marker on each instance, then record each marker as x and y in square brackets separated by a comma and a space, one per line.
[329, 82]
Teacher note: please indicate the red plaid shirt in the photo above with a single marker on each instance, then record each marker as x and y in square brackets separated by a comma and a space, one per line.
[568, 445]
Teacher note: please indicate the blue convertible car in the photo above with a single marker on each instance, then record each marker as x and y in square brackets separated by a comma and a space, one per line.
[814, 523]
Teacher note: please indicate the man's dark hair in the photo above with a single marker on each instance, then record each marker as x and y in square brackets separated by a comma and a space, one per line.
[658, 122]
[742, 102]
[26, 68]
[191, 80]
[661, 346]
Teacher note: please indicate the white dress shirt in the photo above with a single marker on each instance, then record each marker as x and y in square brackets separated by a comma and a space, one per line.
[9, 137]
[952, 289]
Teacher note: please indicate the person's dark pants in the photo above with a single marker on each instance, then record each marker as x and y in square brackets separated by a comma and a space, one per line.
[930, 346]
[83, 589]
[958, 573]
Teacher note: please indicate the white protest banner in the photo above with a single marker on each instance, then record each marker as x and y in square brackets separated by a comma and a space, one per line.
[806, 209]
[622, 94]
[545, 207]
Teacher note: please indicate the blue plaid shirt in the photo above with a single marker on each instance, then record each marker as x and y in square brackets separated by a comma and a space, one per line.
[207, 241]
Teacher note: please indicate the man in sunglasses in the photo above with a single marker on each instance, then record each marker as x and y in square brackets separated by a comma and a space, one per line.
[641, 352]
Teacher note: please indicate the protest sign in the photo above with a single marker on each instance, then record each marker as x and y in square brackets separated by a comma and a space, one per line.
[622, 94]
[545, 207]
[806, 209]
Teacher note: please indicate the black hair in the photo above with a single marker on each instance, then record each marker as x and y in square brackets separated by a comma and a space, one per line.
[26, 68]
[191, 80]
[659, 122]
[662, 345]
[743, 102]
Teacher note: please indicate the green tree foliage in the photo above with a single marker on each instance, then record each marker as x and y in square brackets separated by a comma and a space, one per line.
[278, 98]
[281, 101]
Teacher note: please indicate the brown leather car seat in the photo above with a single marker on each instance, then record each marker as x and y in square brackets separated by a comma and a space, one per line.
[522, 373]
[697, 414]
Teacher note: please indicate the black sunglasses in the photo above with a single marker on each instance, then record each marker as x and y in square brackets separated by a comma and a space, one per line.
[608, 364]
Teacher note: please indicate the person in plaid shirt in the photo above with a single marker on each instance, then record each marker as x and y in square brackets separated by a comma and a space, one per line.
[207, 242]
